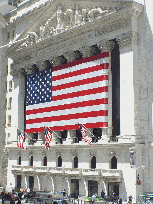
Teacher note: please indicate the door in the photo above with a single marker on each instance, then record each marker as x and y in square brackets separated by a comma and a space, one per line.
[74, 188]
[92, 187]
[31, 183]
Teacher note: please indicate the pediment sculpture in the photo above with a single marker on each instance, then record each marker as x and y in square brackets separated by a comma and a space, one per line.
[62, 21]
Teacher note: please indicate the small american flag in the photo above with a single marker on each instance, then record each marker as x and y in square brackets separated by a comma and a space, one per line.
[20, 140]
[48, 138]
[84, 136]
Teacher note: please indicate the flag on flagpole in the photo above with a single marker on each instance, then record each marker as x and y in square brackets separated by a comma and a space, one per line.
[48, 138]
[84, 136]
[20, 140]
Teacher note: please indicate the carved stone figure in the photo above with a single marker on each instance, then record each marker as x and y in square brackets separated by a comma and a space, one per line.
[42, 32]
[68, 17]
[85, 16]
[78, 16]
[32, 38]
[96, 13]
[59, 17]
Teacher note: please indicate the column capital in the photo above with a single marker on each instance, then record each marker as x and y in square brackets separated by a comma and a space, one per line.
[105, 45]
[88, 51]
[41, 64]
[71, 56]
[57, 60]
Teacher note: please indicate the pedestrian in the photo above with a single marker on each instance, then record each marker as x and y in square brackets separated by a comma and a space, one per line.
[130, 199]
[102, 194]
[93, 198]
[63, 192]
[19, 201]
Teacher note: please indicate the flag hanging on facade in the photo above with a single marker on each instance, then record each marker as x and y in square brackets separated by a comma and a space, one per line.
[61, 96]
[20, 140]
[48, 138]
[84, 136]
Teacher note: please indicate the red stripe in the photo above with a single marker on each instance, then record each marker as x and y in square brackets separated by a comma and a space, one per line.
[80, 82]
[81, 61]
[82, 71]
[68, 106]
[69, 127]
[81, 93]
[68, 117]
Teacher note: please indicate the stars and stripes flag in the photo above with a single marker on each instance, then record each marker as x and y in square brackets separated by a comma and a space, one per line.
[48, 138]
[84, 136]
[20, 140]
[72, 92]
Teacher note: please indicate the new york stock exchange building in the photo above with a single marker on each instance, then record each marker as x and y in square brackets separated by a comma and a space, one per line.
[79, 62]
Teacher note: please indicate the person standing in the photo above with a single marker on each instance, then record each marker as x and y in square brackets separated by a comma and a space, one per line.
[63, 192]
[130, 199]
[93, 198]
[102, 194]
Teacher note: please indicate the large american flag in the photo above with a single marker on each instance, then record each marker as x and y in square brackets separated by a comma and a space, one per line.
[69, 94]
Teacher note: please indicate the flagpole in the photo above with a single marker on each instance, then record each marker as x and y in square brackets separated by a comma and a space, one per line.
[24, 133]
[88, 130]
[53, 132]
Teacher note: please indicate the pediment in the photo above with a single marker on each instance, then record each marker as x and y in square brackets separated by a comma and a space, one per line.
[60, 16]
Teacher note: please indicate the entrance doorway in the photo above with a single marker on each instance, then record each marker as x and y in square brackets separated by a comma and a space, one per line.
[31, 183]
[113, 187]
[74, 188]
[92, 187]
[19, 181]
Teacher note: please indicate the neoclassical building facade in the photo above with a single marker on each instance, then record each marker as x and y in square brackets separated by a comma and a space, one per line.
[46, 35]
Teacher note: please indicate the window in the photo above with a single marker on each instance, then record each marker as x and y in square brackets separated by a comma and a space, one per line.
[45, 161]
[113, 163]
[63, 136]
[78, 136]
[9, 120]
[10, 85]
[31, 161]
[76, 162]
[59, 161]
[93, 162]
[10, 103]
[97, 132]
[19, 160]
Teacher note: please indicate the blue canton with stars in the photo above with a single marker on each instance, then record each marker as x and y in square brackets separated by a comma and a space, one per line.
[39, 87]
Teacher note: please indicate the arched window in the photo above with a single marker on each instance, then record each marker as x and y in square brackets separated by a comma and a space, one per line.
[31, 161]
[19, 160]
[113, 163]
[59, 161]
[45, 161]
[93, 162]
[76, 162]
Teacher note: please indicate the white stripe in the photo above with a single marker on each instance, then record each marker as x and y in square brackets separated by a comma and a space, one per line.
[80, 77]
[81, 66]
[69, 122]
[80, 88]
[68, 111]
[68, 101]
